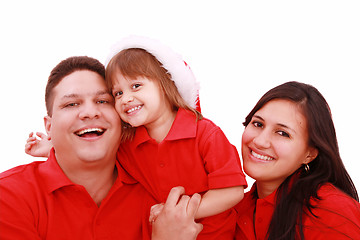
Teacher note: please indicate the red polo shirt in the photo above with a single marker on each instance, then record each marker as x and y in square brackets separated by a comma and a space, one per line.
[195, 154]
[37, 201]
[338, 216]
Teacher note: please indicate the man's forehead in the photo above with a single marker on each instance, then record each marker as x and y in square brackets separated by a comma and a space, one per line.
[83, 94]
[81, 83]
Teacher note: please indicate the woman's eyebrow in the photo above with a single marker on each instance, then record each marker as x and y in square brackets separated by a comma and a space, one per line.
[278, 124]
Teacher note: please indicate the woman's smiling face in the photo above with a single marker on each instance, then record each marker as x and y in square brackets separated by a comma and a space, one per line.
[275, 142]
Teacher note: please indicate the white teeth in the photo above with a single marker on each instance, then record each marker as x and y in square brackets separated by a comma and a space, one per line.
[262, 157]
[133, 109]
[90, 130]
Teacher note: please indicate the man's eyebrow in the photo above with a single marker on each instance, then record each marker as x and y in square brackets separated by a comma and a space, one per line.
[75, 95]
[71, 95]
[103, 92]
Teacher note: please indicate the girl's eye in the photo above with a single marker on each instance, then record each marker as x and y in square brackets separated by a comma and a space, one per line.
[136, 85]
[119, 93]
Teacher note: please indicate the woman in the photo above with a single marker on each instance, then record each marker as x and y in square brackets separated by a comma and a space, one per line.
[302, 189]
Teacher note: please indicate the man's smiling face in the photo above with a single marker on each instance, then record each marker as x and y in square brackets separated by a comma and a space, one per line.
[84, 126]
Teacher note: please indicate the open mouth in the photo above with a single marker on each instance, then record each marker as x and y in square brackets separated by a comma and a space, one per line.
[134, 109]
[90, 132]
[261, 157]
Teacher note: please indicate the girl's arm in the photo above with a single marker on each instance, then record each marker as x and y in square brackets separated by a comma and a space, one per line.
[216, 201]
[38, 145]
[213, 202]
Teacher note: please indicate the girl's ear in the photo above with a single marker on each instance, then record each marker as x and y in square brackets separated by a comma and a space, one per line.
[47, 124]
[312, 154]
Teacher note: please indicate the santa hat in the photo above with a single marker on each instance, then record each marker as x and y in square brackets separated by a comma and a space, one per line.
[180, 72]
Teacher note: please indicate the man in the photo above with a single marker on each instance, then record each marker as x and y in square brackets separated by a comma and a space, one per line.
[81, 192]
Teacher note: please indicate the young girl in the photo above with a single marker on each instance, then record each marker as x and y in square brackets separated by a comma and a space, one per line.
[165, 141]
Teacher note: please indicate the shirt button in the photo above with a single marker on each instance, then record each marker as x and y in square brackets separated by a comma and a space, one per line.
[260, 220]
[162, 164]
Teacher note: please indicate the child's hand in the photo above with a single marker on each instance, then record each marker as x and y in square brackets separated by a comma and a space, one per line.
[38, 147]
[155, 211]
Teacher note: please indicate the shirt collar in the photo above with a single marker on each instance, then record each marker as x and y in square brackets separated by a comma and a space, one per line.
[55, 178]
[250, 200]
[269, 199]
[184, 126]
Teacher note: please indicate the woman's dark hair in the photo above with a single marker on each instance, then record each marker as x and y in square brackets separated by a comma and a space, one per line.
[327, 167]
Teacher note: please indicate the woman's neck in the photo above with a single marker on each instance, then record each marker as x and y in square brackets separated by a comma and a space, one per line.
[264, 189]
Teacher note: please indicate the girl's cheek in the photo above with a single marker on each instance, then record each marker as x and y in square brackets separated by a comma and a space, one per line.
[118, 106]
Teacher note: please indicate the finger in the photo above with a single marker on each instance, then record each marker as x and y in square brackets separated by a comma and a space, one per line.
[199, 227]
[41, 135]
[30, 144]
[31, 134]
[156, 207]
[174, 196]
[31, 139]
[183, 202]
[28, 147]
[193, 205]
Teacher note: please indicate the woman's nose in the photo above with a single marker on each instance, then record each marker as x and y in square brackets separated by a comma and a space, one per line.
[262, 140]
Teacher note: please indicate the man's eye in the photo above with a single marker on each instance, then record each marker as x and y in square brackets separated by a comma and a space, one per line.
[102, 101]
[71, 104]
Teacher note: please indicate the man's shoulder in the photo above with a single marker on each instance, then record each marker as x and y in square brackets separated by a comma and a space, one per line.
[20, 171]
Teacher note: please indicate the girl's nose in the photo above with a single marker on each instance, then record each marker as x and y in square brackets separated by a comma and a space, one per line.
[127, 97]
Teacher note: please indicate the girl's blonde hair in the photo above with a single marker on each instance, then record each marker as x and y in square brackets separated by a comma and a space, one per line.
[137, 62]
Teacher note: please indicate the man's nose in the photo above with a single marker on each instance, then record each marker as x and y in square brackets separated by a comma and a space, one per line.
[89, 110]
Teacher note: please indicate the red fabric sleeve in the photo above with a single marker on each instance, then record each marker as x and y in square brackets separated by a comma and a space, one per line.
[221, 161]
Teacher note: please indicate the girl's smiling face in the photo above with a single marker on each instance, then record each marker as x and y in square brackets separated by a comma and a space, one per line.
[140, 102]
[275, 143]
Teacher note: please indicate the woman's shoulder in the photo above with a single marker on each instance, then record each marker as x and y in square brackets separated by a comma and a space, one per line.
[328, 193]
[334, 214]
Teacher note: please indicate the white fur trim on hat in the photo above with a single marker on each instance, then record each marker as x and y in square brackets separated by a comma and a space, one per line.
[180, 73]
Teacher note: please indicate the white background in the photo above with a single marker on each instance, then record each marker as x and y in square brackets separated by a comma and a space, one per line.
[237, 49]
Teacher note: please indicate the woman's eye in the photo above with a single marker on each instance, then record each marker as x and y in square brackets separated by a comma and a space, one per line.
[284, 134]
[257, 124]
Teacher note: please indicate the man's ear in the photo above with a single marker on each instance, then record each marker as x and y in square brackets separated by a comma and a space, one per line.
[47, 124]
[312, 154]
